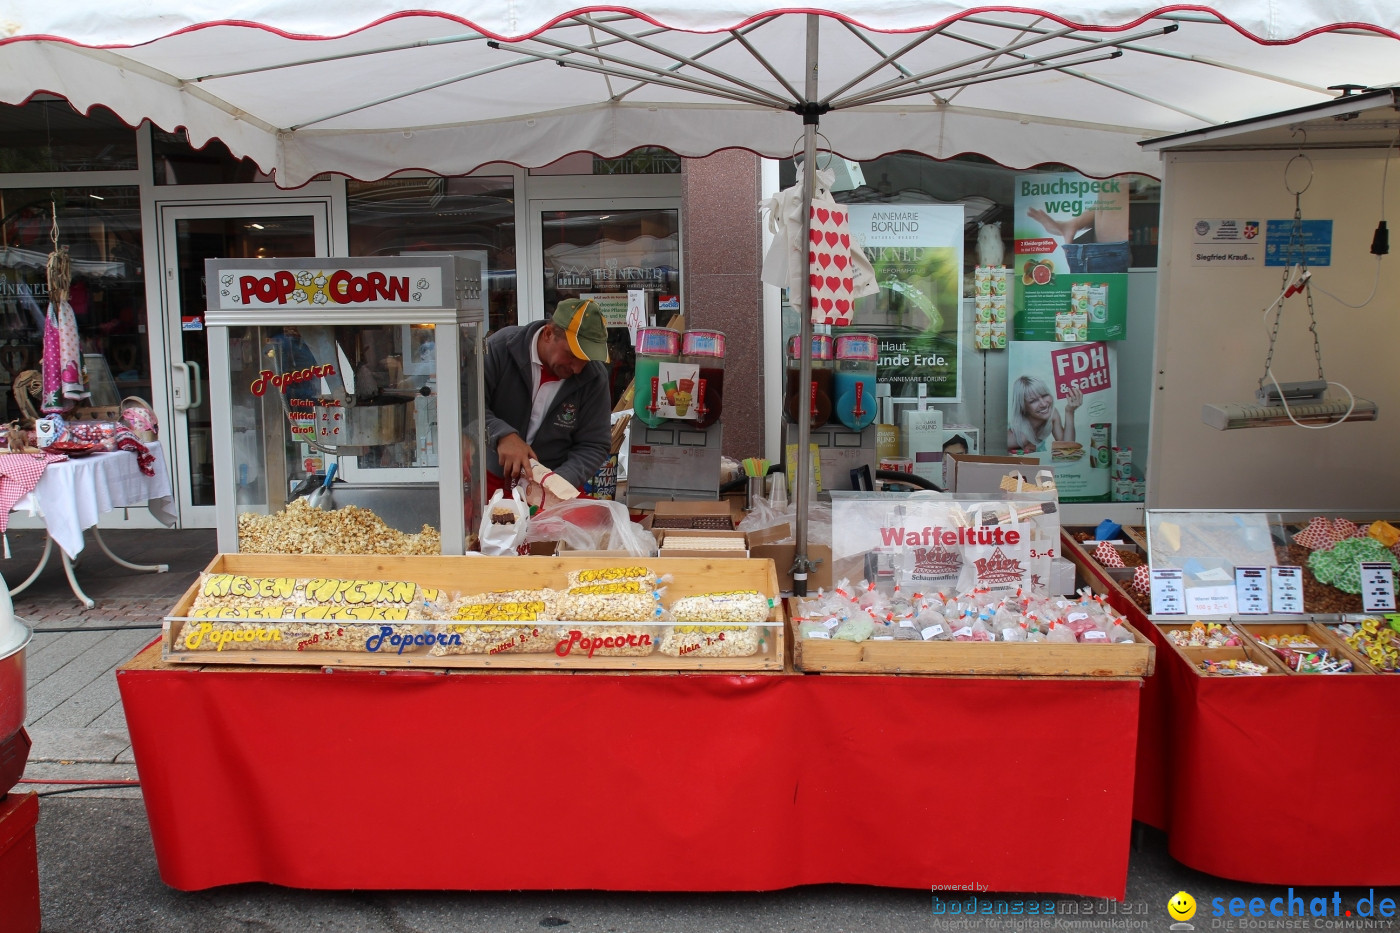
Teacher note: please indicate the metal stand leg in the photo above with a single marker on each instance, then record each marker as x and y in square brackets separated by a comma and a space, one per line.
[84, 598]
[145, 568]
[43, 562]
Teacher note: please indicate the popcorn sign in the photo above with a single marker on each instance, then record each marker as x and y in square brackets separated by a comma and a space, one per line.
[1084, 365]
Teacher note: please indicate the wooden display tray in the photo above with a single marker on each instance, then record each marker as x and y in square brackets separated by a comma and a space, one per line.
[1129, 542]
[1356, 654]
[1246, 652]
[821, 655]
[1319, 633]
[470, 575]
[1100, 579]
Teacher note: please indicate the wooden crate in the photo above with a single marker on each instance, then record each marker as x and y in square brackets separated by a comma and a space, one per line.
[1185, 626]
[1357, 654]
[1320, 634]
[818, 655]
[472, 575]
[1102, 580]
[1245, 652]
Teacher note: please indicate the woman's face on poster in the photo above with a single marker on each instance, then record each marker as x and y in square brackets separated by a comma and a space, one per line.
[1040, 405]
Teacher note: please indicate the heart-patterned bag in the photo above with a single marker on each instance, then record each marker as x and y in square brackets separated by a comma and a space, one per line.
[831, 276]
[830, 266]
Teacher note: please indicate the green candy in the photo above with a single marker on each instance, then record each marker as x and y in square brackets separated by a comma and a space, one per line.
[1341, 565]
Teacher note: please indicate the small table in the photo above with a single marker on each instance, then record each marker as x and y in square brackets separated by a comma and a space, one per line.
[72, 495]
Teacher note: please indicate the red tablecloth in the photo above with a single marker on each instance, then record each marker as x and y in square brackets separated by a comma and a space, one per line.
[492, 780]
[1275, 780]
[1266, 779]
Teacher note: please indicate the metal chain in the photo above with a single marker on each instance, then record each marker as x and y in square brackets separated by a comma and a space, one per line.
[1295, 248]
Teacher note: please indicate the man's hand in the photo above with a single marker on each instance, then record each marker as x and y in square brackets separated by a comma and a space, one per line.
[515, 456]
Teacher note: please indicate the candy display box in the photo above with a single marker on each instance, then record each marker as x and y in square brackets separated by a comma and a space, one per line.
[825, 655]
[496, 637]
[1256, 632]
[973, 658]
[1195, 657]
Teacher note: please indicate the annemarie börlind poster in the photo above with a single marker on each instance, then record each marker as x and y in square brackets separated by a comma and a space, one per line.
[917, 252]
[1062, 408]
[1071, 254]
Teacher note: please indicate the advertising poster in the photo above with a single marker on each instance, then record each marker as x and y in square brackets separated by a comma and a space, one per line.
[1062, 407]
[917, 253]
[1071, 255]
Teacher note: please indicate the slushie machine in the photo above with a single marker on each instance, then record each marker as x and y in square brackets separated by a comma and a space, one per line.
[841, 401]
[676, 439]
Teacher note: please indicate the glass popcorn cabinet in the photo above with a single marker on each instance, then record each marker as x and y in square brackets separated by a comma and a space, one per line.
[338, 382]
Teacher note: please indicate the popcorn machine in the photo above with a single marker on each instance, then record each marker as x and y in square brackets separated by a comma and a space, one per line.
[369, 367]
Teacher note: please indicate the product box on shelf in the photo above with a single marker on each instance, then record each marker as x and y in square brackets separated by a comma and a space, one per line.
[494, 612]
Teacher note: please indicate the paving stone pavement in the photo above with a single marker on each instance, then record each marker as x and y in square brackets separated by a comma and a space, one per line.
[74, 714]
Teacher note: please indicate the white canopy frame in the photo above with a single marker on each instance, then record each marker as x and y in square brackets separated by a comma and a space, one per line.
[1078, 82]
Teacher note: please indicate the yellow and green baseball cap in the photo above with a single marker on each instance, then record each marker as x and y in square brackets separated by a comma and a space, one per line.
[584, 328]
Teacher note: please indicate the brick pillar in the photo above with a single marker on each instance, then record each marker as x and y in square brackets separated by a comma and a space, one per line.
[723, 244]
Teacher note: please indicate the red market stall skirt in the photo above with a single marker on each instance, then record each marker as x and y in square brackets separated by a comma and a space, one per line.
[477, 780]
[1222, 762]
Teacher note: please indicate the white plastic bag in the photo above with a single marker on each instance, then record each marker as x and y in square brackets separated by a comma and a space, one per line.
[503, 525]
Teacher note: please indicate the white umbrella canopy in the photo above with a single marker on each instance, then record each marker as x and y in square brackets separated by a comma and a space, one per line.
[362, 88]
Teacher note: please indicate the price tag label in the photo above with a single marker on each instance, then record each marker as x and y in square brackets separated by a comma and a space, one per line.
[1211, 600]
[1377, 586]
[933, 631]
[1252, 590]
[1286, 582]
[1168, 593]
[1095, 635]
[818, 634]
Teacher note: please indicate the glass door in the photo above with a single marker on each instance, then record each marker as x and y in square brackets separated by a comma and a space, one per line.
[191, 234]
[603, 248]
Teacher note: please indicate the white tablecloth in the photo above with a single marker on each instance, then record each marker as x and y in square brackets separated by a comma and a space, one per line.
[73, 495]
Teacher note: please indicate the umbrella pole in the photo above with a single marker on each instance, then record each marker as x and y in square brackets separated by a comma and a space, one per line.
[801, 566]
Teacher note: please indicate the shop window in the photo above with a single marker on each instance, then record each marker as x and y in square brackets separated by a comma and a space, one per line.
[102, 229]
[604, 254]
[471, 215]
[50, 136]
[938, 343]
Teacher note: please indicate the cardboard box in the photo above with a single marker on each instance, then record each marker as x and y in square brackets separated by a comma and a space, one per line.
[711, 513]
[1062, 576]
[980, 474]
[761, 545]
[665, 535]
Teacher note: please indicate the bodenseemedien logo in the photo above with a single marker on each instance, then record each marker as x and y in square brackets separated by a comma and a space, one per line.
[1181, 908]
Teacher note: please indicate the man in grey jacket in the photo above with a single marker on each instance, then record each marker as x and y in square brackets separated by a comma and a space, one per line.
[547, 395]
